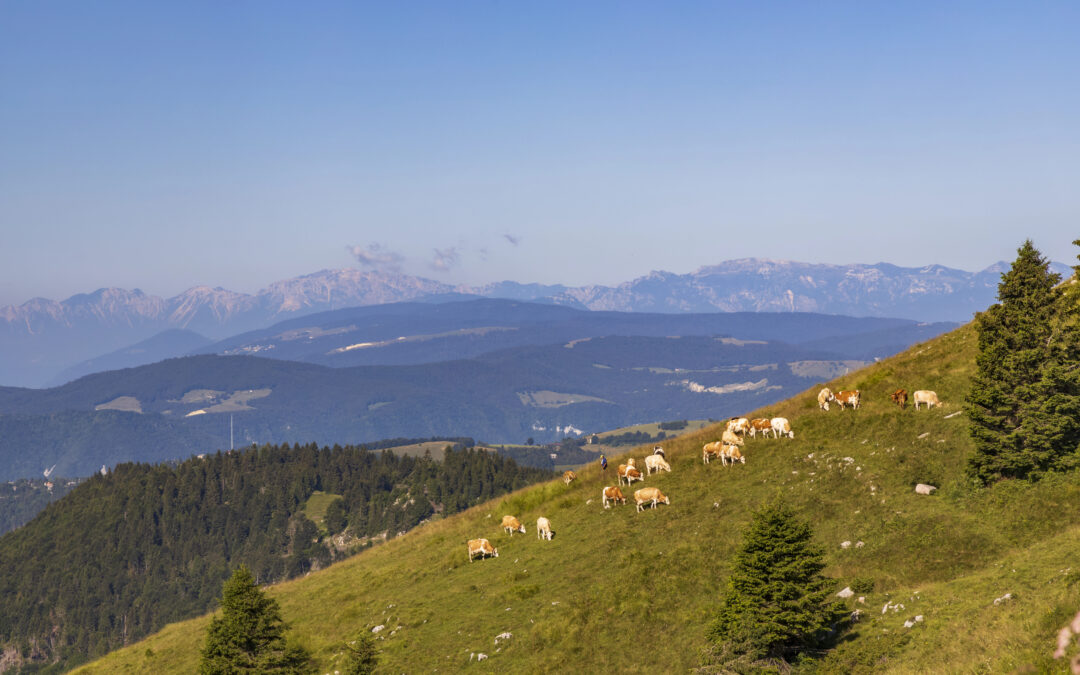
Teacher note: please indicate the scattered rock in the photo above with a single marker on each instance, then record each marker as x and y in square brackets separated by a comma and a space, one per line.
[845, 544]
[856, 615]
[1004, 598]
[924, 489]
[861, 599]
[503, 636]
[378, 628]
[909, 623]
[588, 502]
[951, 415]
[481, 657]
[919, 618]
[846, 593]
[924, 435]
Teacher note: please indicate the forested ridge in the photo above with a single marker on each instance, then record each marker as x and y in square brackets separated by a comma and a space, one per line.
[125, 553]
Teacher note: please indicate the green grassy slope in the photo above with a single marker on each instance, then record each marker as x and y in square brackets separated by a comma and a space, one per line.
[633, 592]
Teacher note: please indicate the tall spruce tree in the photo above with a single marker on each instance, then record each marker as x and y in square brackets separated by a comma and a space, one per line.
[1015, 421]
[777, 603]
[249, 635]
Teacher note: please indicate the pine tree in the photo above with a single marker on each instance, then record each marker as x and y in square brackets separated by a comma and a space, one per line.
[361, 655]
[777, 603]
[249, 635]
[1015, 378]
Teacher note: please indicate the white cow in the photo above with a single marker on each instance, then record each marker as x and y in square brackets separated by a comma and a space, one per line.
[731, 438]
[823, 398]
[925, 396]
[543, 528]
[781, 427]
[656, 463]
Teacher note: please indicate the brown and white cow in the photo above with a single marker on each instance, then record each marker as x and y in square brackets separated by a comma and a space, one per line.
[823, 398]
[899, 397]
[656, 463]
[632, 475]
[512, 525]
[649, 494]
[568, 476]
[622, 473]
[711, 450]
[731, 438]
[781, 427]
[925, 396]
[738, 425]
[613, 495]
[731, 453]
[849, 398]
[482, 548]
[543, 528]
[760, 425]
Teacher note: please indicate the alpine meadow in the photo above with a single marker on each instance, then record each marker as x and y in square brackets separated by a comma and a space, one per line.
[979, 575]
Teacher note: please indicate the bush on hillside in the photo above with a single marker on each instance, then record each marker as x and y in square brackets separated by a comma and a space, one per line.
[249, 635]
[778, 604]
[1024, 402]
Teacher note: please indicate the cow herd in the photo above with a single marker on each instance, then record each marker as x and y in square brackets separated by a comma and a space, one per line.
[728, 449]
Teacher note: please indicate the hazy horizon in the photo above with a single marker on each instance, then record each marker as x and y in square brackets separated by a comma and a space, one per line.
[162, 147]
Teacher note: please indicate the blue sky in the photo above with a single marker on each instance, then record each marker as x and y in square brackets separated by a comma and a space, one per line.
[160, 146]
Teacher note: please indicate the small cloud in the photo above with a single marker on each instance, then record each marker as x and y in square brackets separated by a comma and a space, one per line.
[445, 259]
[375, 256]
[483, 254]
[512, 239]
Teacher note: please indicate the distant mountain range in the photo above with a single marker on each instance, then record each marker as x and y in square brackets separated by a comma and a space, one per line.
[534, 370]
[41, 338]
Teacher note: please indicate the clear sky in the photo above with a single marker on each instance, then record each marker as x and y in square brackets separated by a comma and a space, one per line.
[163, 145]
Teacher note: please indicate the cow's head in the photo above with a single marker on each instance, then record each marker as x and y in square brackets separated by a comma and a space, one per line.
[494, 553]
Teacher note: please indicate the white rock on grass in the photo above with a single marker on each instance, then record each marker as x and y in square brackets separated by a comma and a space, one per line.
[503, 636]
[378, 628]
[924, 489]
[845, 544]
[924, 435]
[860, 544]
[846, 593]
[1004, 598]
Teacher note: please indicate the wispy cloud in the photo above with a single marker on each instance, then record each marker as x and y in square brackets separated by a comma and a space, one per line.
[445, 259]
[512, 239]
[375, 256]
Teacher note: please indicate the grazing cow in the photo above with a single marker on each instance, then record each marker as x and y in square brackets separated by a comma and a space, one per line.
[731, 452]
[760, 425]
[612, 494]
[656, 463]
[632, 475]
[483, 548]
[731, 438]
[738, 425]
[899, 397]
[849, 398]
[781, 427]
[512, 525]
[543, 528]
[823, 398]
[925, 396]
[711, 450]
[649, 494]
[657, 450]
[568, 476]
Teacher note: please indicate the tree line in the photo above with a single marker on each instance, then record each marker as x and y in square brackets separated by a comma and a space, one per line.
[125, 553]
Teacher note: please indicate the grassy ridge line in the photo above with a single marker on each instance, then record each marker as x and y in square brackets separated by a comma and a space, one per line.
[656, 577]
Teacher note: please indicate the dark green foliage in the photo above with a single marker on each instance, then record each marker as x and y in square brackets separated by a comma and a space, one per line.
[21, 500]
[249, 635]
[125, 553]
[361, 655]
[335, 519]
[777, 603]
[673, 426]
[1024, 402]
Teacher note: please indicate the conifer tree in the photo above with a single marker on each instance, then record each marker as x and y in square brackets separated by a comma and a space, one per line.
[249, 635]
[777, 602]
[1011, 379]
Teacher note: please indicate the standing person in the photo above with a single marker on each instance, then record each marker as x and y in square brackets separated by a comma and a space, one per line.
[603, 466]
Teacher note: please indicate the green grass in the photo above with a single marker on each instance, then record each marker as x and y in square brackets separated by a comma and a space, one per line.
[633, 592]
[315, 508]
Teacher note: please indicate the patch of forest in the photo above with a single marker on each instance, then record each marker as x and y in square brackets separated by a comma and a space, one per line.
[144, 545]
